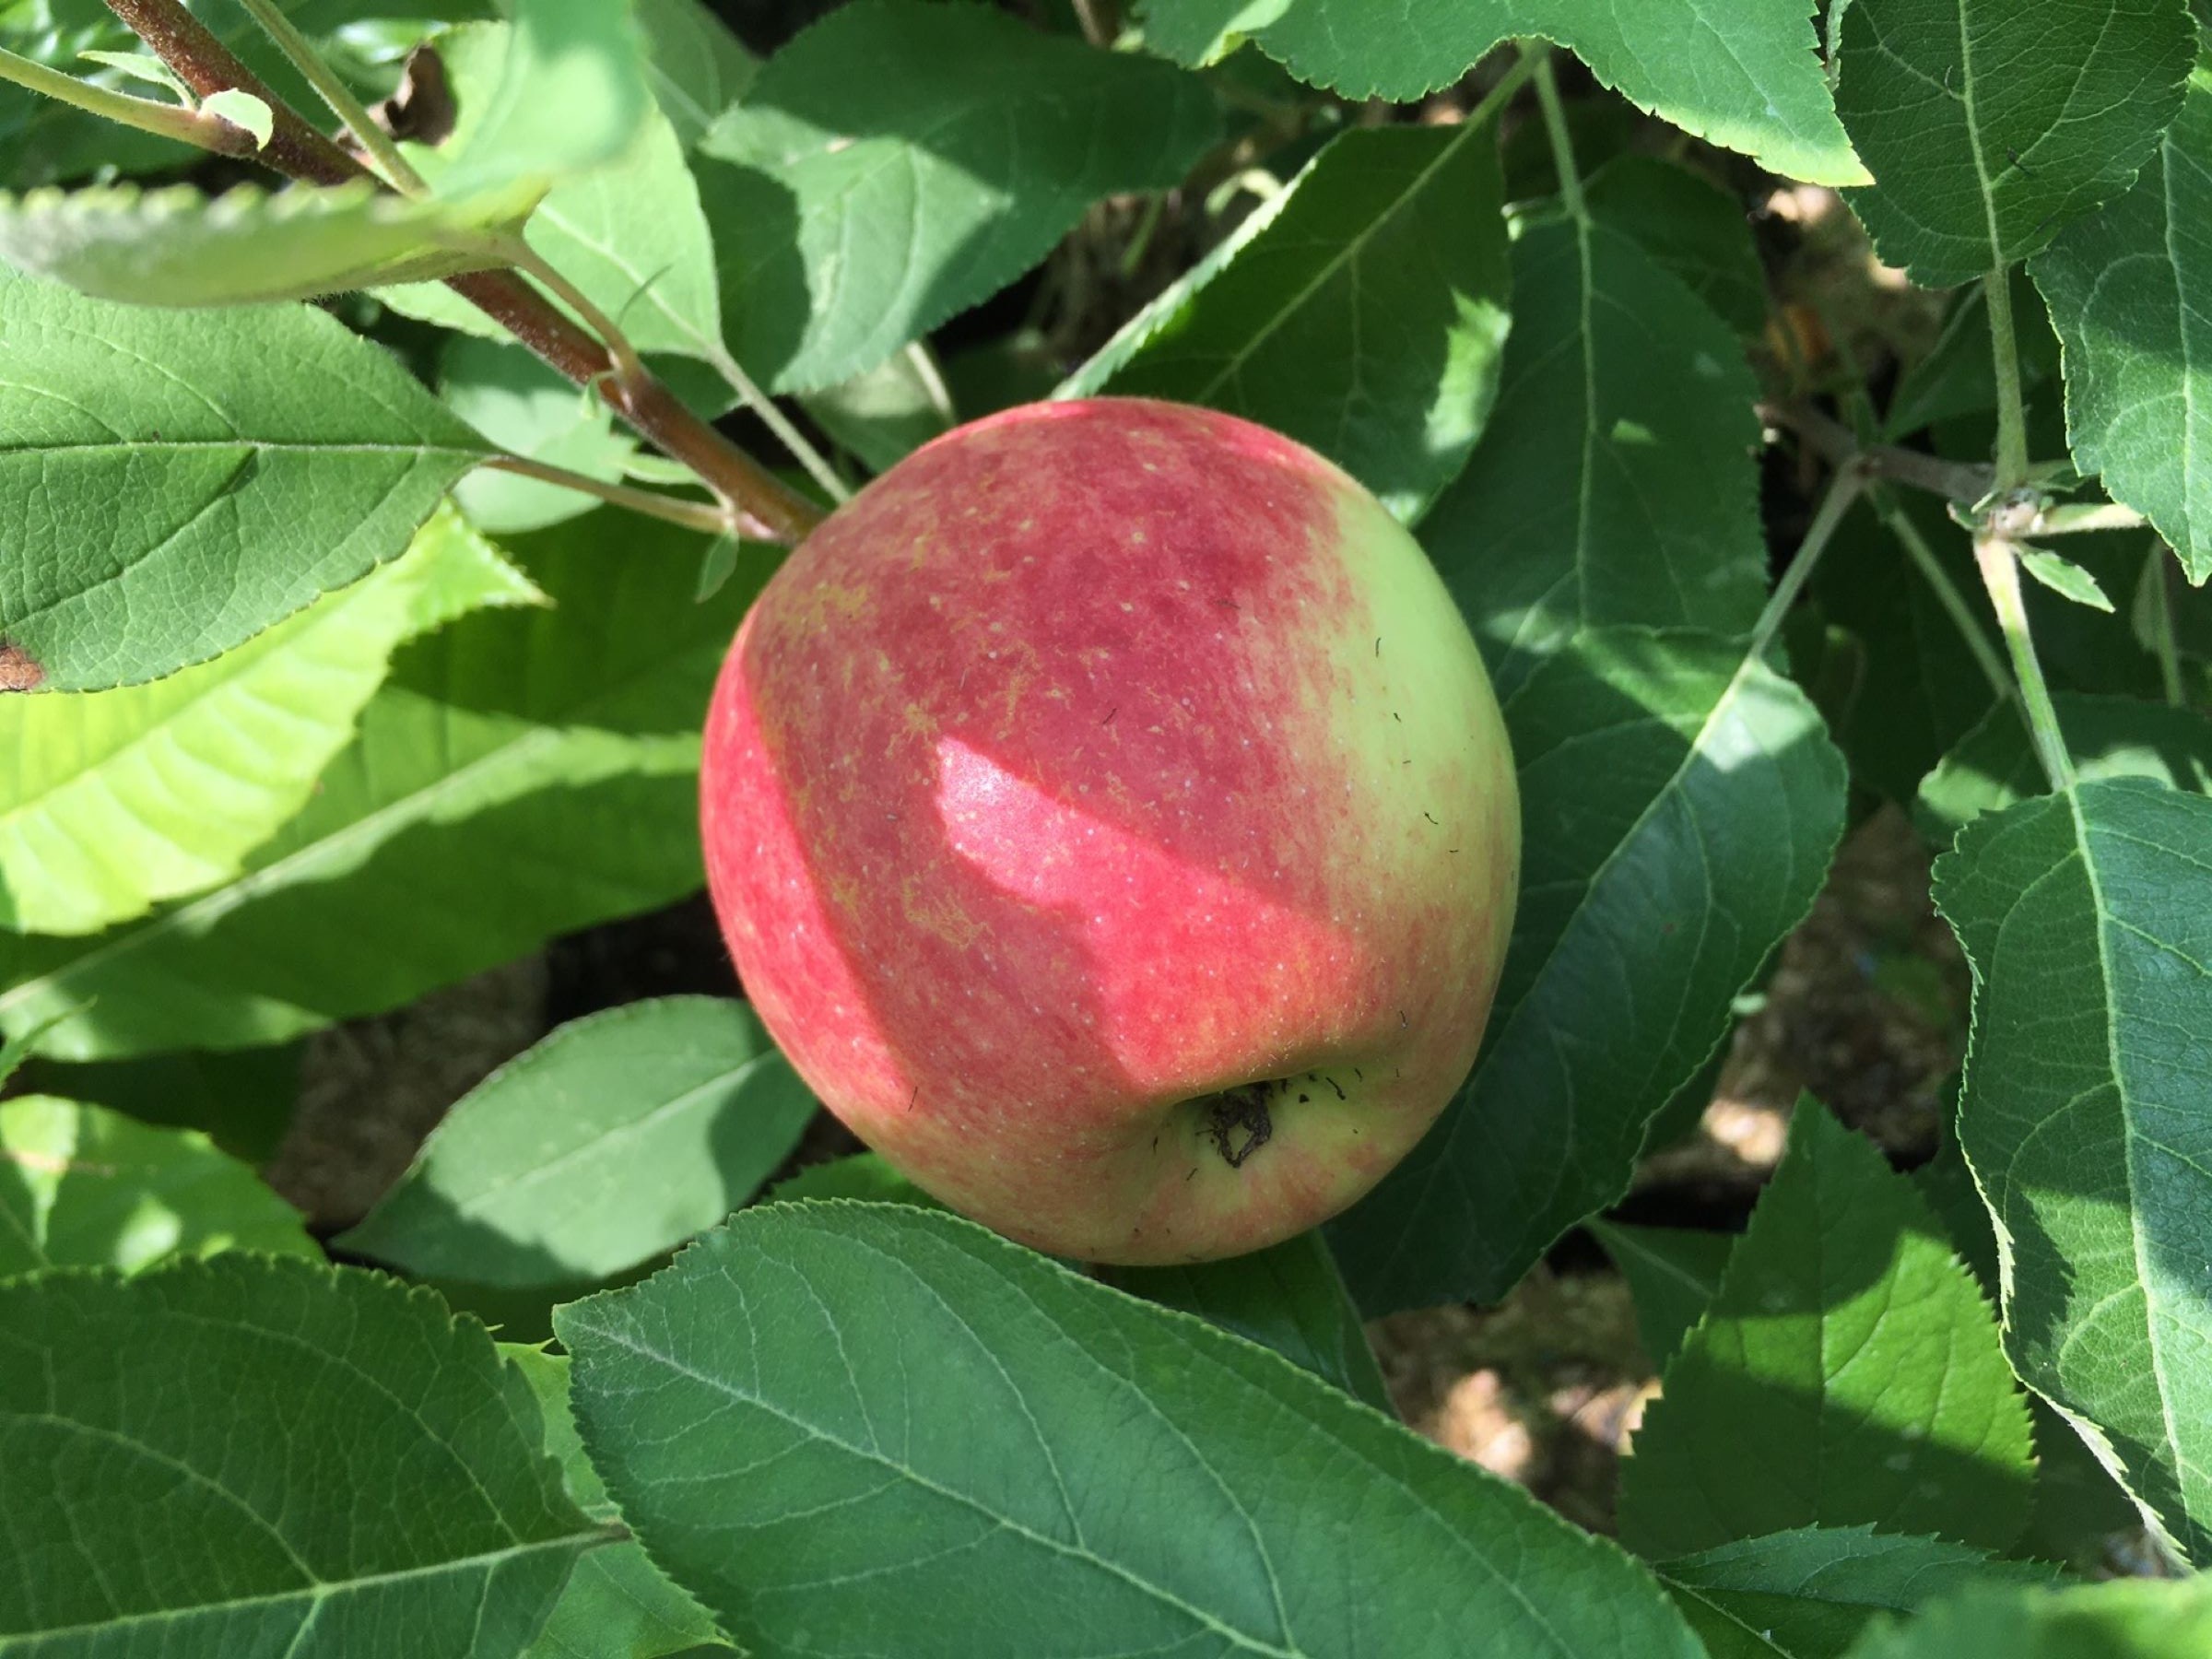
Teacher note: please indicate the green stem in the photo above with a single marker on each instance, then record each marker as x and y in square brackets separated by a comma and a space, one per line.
[195, 127]
[1999, 563]
[933, 383]
[1947, 592]
[374, 141]
[1843, 489]
[2087, 515]
[1555, 127]
[695, 515]
[2012, 412]
[749, 393]
[2163, 644]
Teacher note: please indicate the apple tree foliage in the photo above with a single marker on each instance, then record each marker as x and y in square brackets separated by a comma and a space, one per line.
[366, 549]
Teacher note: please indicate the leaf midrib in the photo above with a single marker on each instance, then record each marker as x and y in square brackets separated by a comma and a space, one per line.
[2137, 1242]
[1233, 365]
[1199, 1617]
[326, 1589]
[628, 1130]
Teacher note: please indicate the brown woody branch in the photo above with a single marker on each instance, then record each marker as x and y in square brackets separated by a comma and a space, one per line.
[299, 151]
[1839, 446]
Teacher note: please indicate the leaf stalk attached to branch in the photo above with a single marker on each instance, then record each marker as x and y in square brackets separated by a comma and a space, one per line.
[761, 501]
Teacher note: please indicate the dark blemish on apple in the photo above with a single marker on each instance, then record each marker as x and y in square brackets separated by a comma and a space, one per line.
[1396, 716]
[1432, 820]
[1378, 644]
[18, 672]
[1110, 714]
[1303, 1098]
[1338, 1086]
[1240, 1112]
[916, 1098]
[1403, 1021]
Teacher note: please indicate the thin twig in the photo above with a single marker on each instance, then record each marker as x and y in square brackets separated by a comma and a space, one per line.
[695, 515]
[770, 509]
[1838, 446]
[1962, 614]
[1843, 489]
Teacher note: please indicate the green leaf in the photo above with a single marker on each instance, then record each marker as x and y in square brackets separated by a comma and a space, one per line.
[1992, 125]
[2086, 918]
[872, 1428]
[172, 483]
[1673, 1273]
[1687, 804]
[1364, 316]
[884, 413]
[1905, 685]
[1847, 1373]
[1948, 1187]
[2064, 578]
[1289, 1297]
[863, 1176]
[1746, 76]
[1958, 375]
[2130, 291]
[257, 1455]
[1689, 225]
[613, 1140]
[569, 96]
[527, 409]
[241, 1102]
[178, 248]
[118, 800]
[141, 66]
[81, 1186]
[617, 1603]
[522, 775]
[14, 1051]
[244, 110]
[2130, 1619]
[696, 66]
[1995, 766]
[1806, 1594]
[629, 233]
[1616, 481]
[899, 162]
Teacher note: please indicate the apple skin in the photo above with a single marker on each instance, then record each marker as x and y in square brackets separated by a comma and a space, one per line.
[1112, 819]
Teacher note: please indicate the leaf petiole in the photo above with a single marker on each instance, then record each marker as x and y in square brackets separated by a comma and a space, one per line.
[1555, 128]
[374, 141]
[1998, 559]
[693, 515]
[202, 129]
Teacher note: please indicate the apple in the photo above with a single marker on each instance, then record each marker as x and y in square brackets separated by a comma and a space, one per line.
[1112, 819]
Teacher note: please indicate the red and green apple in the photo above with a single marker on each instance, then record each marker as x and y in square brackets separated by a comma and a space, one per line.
[1112, 819]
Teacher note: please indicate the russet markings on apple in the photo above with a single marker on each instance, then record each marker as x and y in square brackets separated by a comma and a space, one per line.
[1087, 848]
